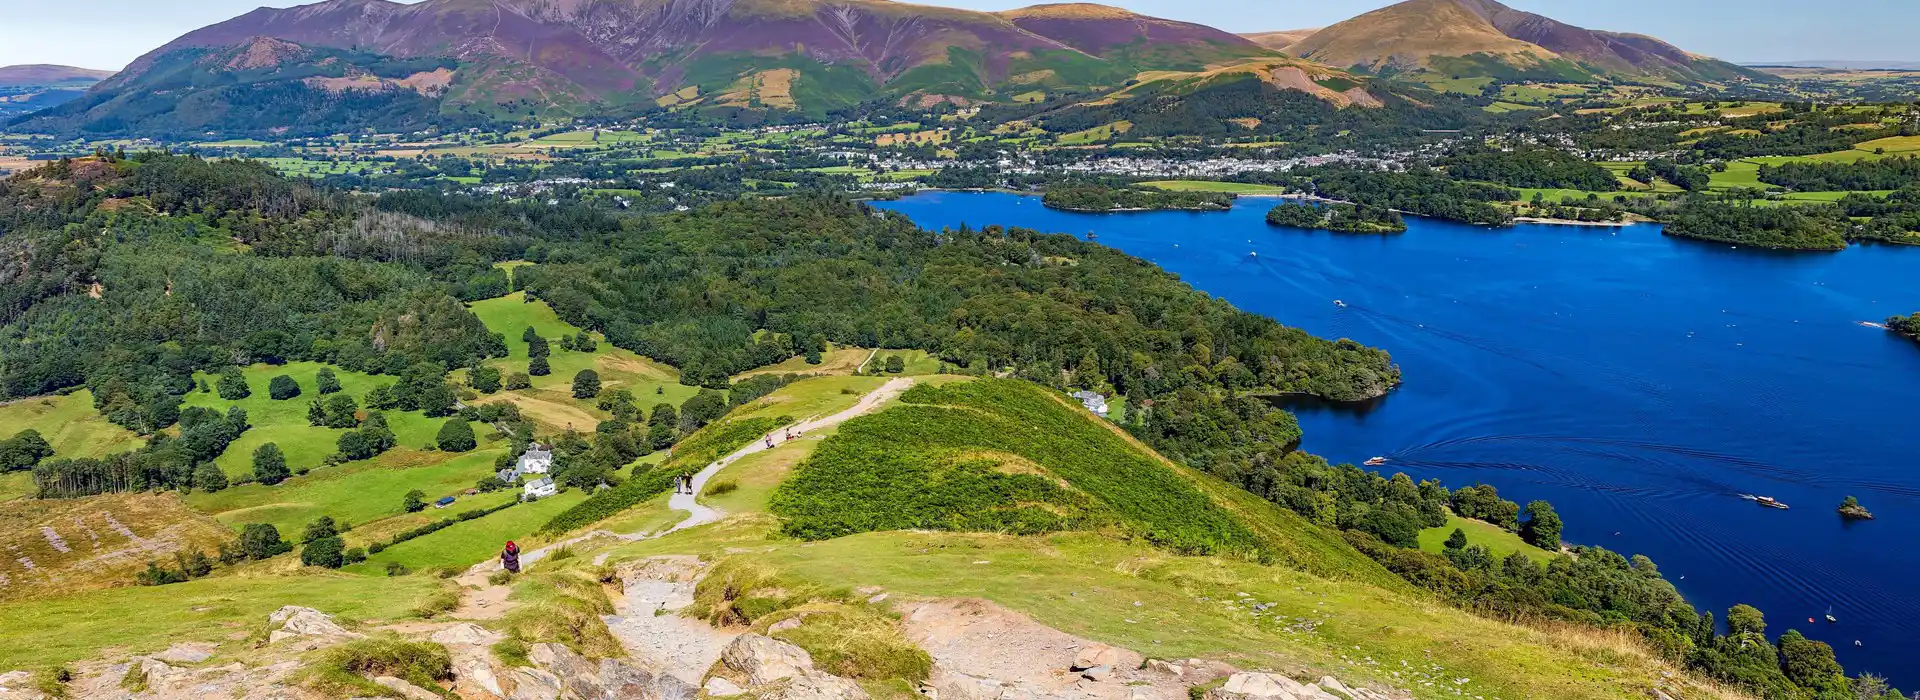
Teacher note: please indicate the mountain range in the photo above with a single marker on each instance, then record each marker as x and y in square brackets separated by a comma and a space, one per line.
[30, 88]
[381, 64]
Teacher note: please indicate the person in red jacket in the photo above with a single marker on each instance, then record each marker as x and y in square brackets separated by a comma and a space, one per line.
[510, 558]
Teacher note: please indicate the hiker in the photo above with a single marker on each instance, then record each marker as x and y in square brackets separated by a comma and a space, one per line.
[510, 558]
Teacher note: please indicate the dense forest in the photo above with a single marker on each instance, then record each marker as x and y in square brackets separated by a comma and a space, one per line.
[1046, 305]
[1101, 198]
[1792, 228]
[1808, 176]
[1345, 218]
[138, 272]
[1529, 167]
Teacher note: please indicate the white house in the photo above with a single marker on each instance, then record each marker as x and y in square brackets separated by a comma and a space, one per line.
[541, 488]
[536, 461]
[1094, 402]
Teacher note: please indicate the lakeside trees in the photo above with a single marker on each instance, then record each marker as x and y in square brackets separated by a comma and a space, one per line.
[1423, 192]
[1530, 167]
[1795, 228]
[1098, 198]
[1345, 218]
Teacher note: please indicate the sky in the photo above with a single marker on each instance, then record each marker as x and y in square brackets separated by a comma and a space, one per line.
[106, 34]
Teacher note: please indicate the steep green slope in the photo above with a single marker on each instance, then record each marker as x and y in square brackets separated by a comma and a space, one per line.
[999, 455]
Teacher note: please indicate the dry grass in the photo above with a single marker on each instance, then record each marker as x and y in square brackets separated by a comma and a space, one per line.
[106, 541]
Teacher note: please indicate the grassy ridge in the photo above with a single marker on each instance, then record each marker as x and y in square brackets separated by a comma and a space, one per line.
[996, 455]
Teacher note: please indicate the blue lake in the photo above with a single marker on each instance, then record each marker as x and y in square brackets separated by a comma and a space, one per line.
[1641, 383]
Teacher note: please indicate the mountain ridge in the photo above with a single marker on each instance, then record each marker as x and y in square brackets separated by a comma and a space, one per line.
[1483, 38]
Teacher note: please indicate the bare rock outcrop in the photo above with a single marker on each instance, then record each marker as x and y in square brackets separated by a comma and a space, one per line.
[294, 621]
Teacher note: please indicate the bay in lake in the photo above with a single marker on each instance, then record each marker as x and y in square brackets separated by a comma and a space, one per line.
[1641, 383]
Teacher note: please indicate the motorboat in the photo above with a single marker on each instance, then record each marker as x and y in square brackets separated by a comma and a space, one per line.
[1769, 502]
[1377, 461]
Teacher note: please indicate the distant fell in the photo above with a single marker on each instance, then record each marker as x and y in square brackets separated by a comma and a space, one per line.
[40, 74]
[1280, 40]
[1483, 38]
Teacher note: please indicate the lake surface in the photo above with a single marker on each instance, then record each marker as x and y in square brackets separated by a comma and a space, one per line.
[1640, 383]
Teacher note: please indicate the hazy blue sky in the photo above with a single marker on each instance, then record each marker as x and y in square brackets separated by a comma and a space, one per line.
[109, 33]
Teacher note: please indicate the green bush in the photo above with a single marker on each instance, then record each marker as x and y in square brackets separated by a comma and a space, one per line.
[456, 436]
[327, 552]
[233, 384]
[261, 541]
[282, 387]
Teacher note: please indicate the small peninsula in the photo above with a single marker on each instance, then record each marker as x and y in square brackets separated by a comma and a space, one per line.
[1852, 510]
[1101, 198]
[1908, 326]
[1814, 228]
[1344, 218]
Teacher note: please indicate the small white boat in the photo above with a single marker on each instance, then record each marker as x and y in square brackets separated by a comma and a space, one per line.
[1340, 303]
[1377, 461]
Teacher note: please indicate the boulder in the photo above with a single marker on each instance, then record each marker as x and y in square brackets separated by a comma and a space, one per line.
[1258, 686]
[762, 660]
[1331, 684]
[718, 687]
[186, 653]
[475, 676]
[405, 689]
[625, 681]
[466, 633]
[534, 684]
[1097, 673]
[1166, 668]
[813, 685]
[1095, 655]
[295, 621]
[19, 685]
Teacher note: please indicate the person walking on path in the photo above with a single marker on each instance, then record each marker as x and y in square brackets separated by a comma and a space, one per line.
[510, 558]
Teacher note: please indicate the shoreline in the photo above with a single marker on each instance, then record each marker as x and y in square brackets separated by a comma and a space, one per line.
[1572, 222]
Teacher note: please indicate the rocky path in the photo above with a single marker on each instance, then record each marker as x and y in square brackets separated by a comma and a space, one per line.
[483, 600]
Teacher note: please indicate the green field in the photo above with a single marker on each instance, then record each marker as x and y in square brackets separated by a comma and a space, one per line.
[1500, 542]
[357, 493]
[473, 541]
[285, 422]
[1505, 107]
[550, 402]
[1541, 93]
[69, 424]
[588, 138]
[1210, 186]
[1098, 134]
[141, 619]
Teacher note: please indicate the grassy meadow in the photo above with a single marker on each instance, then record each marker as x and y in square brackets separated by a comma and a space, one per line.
[1500, 542]
[69, 424]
